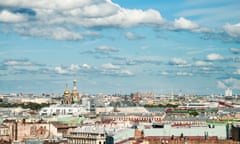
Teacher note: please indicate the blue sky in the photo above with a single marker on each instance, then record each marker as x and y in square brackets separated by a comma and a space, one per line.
[120, 46]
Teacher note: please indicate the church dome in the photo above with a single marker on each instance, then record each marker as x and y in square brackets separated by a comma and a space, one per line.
[66, 92]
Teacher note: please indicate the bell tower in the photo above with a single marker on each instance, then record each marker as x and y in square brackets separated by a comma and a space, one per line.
[75, 94]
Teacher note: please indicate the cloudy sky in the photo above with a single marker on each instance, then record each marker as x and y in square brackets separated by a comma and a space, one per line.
[120, 46]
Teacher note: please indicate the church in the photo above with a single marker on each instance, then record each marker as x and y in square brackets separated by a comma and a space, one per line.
[71, 97]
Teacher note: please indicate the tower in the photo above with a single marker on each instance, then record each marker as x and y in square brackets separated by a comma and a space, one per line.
[75, 94]
[67, 96]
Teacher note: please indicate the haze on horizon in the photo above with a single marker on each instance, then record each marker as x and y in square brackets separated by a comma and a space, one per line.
[120, 45]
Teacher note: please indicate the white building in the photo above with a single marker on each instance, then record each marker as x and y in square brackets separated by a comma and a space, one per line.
[74, 109]
[228, 92]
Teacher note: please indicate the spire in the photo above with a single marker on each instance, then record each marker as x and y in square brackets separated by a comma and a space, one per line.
[66, 86]
[74, 84]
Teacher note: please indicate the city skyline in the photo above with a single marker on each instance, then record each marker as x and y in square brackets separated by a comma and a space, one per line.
[120, 46]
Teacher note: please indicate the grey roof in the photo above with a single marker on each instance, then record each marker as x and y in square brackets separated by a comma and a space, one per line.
[89, 129]
[219, 130]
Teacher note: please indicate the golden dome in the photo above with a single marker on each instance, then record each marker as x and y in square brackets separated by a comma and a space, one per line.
[66, 92]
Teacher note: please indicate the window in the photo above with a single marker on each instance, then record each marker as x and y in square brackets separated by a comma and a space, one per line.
[33, 130]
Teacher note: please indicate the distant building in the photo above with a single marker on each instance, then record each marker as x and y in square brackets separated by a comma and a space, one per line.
[228, 92]
[4, 133]
[62, 109]
[71, 98]
[21, 130]
[140, 138]
[87, 135]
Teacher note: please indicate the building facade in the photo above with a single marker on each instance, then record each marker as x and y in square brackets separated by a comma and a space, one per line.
[4, 133]
[21, 130]
[87, 135]
[71, 97]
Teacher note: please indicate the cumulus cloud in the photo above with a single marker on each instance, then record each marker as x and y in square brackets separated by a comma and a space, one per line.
[18, 66]
[114, 70]
[61, 70]
[45, 4]
[185, 24]
[202, 63]
[72, 14]
[71, 69]
[230, 82]
[215, 57]
[235, 50]
[177, 61]
[86, 66]
[74, 67]
[110, 66]
[9, 17]
[79, 14]
[56, 33]
[132, 36]
[232, 30]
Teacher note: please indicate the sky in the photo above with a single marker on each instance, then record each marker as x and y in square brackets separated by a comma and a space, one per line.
[120, 46]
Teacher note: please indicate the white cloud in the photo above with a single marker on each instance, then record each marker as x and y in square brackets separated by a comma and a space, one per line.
[183, 23]
[91, 33]
[237, 72]
[74, 67]
[235, 50]
[221, 85]
[231, 82]
[117, 72]
[97, 10]
[178, 61]
[214, 57]
[71, 69]
[9, 17]
[232, 30]
[126, 72]
[184, 74]
[17, 62]
[46, 4]
[105, 48]
[132, 36]
[164, 73]
[84, 14]
[57, 33]
[110, 66]
[60, 70]
[203, 63]
[90, 13]
[74, 14]
[147, 59]
[86, 66]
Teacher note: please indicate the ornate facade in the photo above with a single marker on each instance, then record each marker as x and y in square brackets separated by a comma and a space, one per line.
[71, 98]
